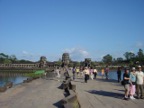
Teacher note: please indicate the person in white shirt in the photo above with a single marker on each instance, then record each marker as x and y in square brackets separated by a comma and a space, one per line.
[86, 72]
[57, 72]
[139, 83]
[91, 73]
[95, 73]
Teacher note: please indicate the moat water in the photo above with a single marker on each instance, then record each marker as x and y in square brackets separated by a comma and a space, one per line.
[112, 75]
[19, 79]
[15, 79]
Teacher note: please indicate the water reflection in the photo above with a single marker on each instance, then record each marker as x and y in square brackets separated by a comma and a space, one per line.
[14, 79]
[112, 75]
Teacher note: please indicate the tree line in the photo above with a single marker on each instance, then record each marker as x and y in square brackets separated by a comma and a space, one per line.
[8, 59]
[130, 59]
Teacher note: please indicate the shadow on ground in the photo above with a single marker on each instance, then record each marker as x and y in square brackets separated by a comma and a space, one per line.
[106, 93]
[119, 90]
[58, 104]
[109, 80]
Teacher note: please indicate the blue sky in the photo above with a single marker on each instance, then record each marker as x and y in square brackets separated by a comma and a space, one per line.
[83, 28]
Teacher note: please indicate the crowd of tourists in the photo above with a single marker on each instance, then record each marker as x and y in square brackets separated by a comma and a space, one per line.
[88, 73]
[133, 79]
[133, 83]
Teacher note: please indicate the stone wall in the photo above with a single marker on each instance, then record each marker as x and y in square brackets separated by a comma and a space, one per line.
[19, 65]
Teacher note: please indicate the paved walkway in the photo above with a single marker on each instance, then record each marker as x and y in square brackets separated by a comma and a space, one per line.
[101, 93]
[44, 93]
[39, 93]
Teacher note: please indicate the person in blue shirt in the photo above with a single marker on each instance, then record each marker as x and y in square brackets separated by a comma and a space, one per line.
[132, 83]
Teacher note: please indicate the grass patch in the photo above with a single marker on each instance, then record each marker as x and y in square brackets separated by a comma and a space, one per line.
[35, 74]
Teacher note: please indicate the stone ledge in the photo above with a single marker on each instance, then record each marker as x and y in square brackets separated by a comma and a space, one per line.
[6, 86]
[3, 89]
[71, 101]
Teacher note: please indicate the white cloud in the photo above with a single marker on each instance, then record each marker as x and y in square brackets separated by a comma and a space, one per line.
[30, 56]
[35, 57]
[139, 45]
[25, 52]
[77, 54]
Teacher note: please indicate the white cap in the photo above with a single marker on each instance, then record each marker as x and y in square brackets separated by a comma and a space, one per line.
[133, 68]
[139, 66]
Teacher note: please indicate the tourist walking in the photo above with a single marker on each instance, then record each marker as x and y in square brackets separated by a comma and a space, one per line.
[132, 83]
[102, 73]
[45, 74]
[119, 74]
[57, 72]
[74, 72]
[91, 73]
[126, 79]
[86, 72]
[77, 71]
[95, 72]
[81, 72]
[106, 72]
[139, 83]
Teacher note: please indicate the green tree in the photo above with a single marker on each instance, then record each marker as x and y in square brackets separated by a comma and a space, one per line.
[13, 58]
[119, 59]
[107, 59]
[7, 61]
[140, 53]
[129, 55]
[93, 64]
[140, 57]
[24, 61]
[2, 55]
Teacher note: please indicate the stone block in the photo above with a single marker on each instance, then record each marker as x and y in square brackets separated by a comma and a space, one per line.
[71, 101]
[8, 85]
[3, 89]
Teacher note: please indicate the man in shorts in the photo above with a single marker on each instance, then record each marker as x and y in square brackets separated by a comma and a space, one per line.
[126, 79]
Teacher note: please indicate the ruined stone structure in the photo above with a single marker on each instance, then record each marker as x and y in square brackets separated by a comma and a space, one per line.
[87, 62]
[65, 59]
[43, 62]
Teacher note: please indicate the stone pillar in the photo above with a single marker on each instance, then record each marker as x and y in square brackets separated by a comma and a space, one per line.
[65, 59]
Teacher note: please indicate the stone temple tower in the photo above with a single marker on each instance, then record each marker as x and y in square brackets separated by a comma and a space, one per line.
[42, 62]
[65, 59]
[87, 62]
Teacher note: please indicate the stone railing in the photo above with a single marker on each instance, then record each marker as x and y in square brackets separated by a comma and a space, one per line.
[19, 65]
[70, 100]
